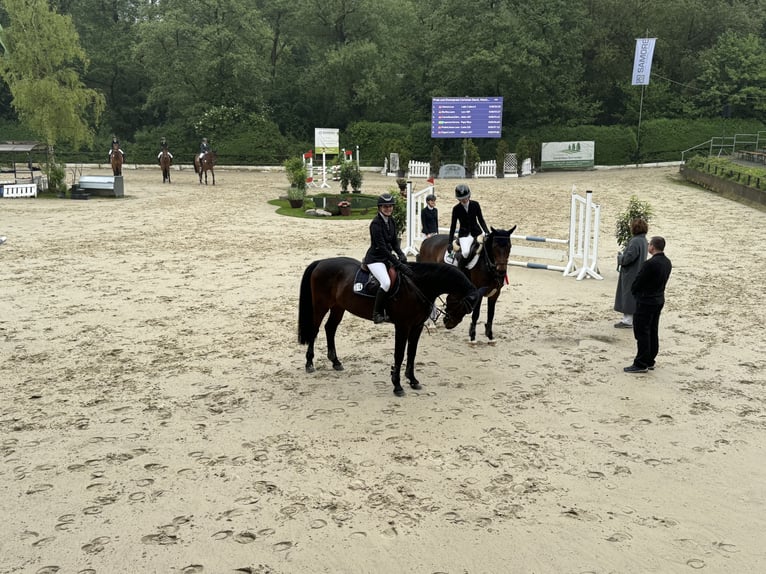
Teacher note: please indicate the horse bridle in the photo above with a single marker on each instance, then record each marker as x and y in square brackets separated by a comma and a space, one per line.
[490, 260]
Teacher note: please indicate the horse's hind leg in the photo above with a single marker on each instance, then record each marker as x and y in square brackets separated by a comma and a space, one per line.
[331, 326]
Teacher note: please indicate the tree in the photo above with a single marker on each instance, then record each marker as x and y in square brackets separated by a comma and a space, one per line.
[204, 56]
[41, 65]
[733, 77]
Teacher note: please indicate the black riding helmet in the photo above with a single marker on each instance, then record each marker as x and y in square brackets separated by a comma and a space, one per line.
[462, 191]
[386, 199]
[430, 197]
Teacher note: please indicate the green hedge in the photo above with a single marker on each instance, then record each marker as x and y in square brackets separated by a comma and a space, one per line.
[258, 141]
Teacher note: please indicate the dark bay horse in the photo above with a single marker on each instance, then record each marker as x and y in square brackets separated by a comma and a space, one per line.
[328, 285]
[116, 158]
[205, 164]
[165, 162]
[488, 275]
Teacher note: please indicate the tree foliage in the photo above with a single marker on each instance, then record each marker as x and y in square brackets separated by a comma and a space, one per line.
[220, 67]
[41, 65]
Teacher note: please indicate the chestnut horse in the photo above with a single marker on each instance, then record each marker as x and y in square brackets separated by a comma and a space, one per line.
[205, 164]
[328, 286]
[116, 159]
[165, 162]
[488, 275]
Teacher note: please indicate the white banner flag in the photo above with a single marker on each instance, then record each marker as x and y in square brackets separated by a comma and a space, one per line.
[642, 63]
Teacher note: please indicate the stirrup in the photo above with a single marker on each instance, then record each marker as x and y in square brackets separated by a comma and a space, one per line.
[378, 319]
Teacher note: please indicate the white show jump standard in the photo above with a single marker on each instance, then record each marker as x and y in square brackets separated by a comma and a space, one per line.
[584, 226]
[416, 202]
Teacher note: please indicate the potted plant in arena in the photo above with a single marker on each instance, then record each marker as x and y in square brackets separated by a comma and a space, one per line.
[350, 174]
[344, 207]
[296, 175]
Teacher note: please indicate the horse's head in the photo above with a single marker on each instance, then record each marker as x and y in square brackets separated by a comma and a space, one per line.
[458, 306]
[499, 249]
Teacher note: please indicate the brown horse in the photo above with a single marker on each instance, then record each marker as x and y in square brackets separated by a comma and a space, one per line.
[328, 285]
[165, 162]
[488, 275]
[116, 158]
[205, 164]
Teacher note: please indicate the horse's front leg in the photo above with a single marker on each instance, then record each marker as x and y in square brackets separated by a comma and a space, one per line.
[490, 317]
[412, 350]
[213, 174]
[474, 320]
[330, 327]
[400, 345]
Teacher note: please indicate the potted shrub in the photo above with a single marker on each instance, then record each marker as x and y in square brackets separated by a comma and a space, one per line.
[402, 183]
[350, 174]
[296, 175]
[295, 196]
[636, 210]
[356, 179]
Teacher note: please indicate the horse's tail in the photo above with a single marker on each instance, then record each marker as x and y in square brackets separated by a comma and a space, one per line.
[196, 164]
[306, 329]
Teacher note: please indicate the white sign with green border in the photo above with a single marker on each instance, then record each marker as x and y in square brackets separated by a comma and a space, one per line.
[567, 155]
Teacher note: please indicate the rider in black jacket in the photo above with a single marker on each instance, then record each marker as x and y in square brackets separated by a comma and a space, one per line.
[383, 253]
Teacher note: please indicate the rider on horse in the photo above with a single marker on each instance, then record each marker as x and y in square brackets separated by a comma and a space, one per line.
[116, 147]
[384, 252]
[204, 147]
[163, 148]
[472, 230]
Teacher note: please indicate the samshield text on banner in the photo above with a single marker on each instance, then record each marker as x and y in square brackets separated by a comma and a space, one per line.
[642, 63]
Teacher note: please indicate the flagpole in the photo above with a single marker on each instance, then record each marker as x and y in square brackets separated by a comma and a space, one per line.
[643, 86]
[638, 134]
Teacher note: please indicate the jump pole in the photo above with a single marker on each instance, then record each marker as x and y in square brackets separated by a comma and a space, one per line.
[584, 227]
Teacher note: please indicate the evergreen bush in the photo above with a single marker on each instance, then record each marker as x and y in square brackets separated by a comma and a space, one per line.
[636, 209]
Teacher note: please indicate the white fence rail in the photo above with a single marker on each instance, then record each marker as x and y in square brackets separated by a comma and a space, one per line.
[419, 169]
[486, 169]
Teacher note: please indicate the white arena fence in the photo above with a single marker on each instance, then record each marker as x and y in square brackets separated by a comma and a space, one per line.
[486, 169]
[419, 169]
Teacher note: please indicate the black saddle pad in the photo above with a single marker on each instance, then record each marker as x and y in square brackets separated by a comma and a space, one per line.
[365, 283]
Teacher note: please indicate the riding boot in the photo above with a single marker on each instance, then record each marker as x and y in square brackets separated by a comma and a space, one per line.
[379, 311]
[472, 252]
[460, 260]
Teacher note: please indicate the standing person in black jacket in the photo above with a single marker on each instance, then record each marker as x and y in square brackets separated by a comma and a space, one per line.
[429, 217]
[649, 290]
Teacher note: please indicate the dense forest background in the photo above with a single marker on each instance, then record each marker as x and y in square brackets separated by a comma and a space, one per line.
[257, 76]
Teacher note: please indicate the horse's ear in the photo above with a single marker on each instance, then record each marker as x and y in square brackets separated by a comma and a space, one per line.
[492, 229]
[512, 230]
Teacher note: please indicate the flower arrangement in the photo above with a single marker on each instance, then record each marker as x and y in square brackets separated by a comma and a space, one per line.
[344, 203]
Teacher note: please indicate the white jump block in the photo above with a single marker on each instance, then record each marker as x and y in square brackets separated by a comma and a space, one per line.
[107, 185]
[11, 191]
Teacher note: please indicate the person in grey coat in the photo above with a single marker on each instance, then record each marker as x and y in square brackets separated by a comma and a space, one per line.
[629, 262]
